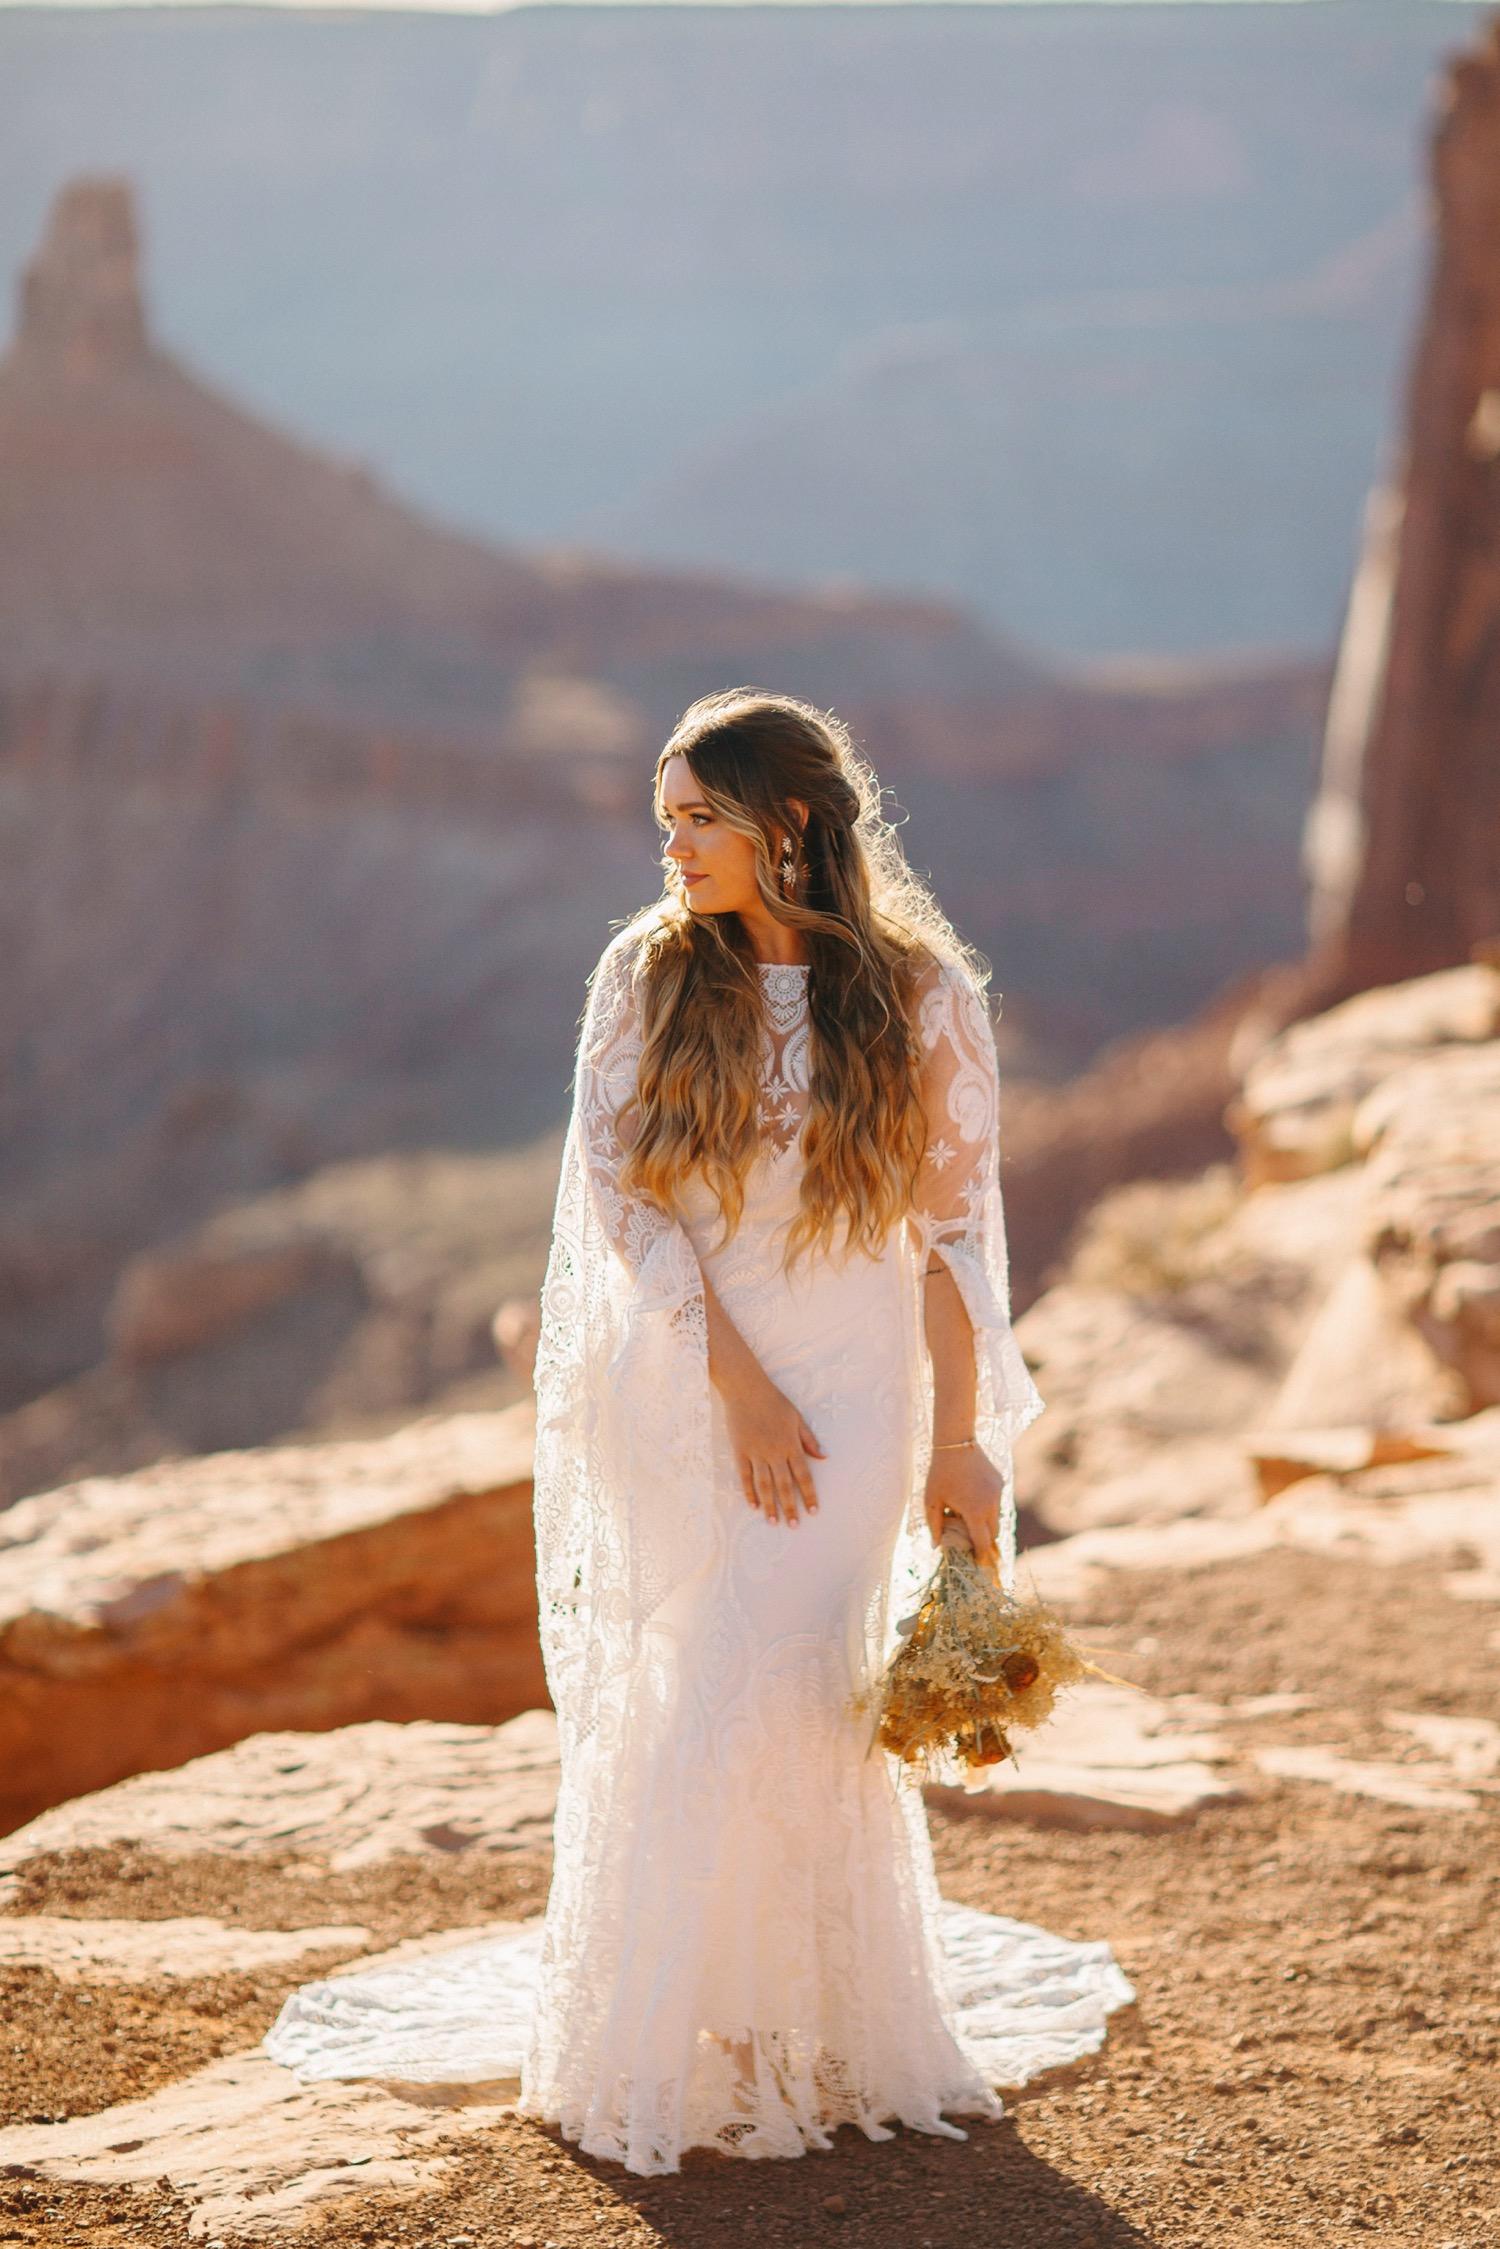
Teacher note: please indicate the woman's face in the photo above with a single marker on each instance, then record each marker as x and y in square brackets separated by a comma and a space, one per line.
[715, 864]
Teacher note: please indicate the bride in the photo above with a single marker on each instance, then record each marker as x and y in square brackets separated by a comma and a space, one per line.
[775, 1357]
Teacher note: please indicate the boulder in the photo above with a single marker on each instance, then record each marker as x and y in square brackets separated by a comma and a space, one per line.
[1294, 1113]
[1398, 1090]
[1361, 1362]
[147, 1619]
[1432, 1169]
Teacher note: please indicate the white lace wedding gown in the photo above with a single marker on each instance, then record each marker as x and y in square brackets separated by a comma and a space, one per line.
[739, 1869]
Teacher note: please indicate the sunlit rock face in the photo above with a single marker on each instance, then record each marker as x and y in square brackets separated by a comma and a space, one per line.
[1404, 842]
[148, 1619]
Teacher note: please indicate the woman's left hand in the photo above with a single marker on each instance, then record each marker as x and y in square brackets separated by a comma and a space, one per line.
[966, 1483]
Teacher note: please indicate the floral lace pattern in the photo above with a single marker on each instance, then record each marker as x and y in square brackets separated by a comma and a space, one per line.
[786, 1054]
[958, 1215]
[744, 1944]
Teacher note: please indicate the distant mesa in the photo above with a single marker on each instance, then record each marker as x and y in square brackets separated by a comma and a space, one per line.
[153, 532]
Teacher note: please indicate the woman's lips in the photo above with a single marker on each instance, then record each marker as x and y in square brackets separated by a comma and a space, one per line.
[692, 878]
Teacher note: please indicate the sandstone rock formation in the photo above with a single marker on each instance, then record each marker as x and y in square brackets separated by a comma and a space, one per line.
[251, 2151]
[1345, 1272]
[1403, 846]
[347, 1800]
[1402, 1088]
[1469, 1752]
[147, 1619]
[255, 2155]
[180, 1950]
[1293, 1113]
[81, 312]
[1431, 1504]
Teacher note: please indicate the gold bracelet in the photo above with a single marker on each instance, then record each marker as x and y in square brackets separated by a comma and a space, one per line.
[955, 1444]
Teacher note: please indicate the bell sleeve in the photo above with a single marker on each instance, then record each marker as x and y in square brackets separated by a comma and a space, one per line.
[666, 1281]
[958, 1215]
[622, 1485]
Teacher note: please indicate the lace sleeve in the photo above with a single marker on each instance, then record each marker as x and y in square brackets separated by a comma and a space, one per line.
[609, 1052]
[622, 1505]
[652, 1244]
[958, 1212]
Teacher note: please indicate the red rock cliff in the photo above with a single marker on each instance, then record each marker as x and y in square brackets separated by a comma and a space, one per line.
[1403, 846]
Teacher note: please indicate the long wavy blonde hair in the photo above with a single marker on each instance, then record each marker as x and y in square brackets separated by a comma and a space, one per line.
[870, 927]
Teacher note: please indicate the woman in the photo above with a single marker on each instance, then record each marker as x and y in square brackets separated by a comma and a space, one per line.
[775, 1358]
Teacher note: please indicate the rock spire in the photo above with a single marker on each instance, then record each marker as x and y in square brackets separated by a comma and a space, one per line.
[81, 309]
[1403, 846]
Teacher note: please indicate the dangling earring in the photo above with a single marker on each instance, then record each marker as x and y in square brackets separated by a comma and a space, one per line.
[788, 868]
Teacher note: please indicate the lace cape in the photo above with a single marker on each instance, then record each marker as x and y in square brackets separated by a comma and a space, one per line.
[624, 1497]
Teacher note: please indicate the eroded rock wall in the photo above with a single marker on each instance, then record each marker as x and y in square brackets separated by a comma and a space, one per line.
[1403, 846]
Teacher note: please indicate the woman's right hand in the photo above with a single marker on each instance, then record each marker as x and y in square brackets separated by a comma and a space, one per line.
[771, 1447]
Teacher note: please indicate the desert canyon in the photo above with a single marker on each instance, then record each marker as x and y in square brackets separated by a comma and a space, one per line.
[285, 773]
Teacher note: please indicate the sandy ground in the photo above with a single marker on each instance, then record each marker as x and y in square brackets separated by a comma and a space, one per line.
[1312, 2057]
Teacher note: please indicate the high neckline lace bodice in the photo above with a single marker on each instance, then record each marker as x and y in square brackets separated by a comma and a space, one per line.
[786, 1057]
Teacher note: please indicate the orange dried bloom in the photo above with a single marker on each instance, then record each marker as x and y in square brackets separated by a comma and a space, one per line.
[974, 1665]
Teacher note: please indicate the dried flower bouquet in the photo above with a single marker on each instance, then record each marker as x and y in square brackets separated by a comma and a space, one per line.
[974, 1665]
